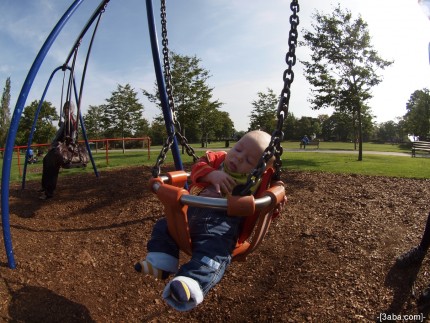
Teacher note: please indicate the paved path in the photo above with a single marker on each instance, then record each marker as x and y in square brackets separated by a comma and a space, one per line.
[365, 152]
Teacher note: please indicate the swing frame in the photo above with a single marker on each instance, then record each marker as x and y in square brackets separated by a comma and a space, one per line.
[71, 88]
[19, 107]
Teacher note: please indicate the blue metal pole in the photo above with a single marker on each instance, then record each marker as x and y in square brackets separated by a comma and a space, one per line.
[93, 17]
[10, 141]
[84, 133]
[162, 85]
[33, 127]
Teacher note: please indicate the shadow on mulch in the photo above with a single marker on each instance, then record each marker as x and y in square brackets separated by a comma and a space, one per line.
[38, 304]
[402, 281]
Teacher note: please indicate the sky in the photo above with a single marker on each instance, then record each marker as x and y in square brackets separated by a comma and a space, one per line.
[241, 43]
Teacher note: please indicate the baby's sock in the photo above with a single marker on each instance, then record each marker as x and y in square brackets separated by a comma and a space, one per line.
[179, 291]
[147, 268]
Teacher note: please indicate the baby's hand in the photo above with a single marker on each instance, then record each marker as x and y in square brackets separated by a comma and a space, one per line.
[279, 208]
[281, 205]
[222, 181]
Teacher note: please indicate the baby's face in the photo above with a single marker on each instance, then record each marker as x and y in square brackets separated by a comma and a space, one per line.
[244, 155]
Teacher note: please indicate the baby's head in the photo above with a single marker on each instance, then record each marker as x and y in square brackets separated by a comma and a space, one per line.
[246, 153]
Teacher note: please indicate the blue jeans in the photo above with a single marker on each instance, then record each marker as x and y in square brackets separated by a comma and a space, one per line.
[213, 235]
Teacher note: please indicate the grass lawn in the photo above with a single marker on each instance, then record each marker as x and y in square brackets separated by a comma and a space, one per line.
[293, 159]
[367, 146]
[376, 165]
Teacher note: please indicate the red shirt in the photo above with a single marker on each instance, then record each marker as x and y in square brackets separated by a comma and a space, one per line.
[205, 165]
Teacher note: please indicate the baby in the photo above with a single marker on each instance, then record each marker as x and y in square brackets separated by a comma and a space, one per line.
[213, 233]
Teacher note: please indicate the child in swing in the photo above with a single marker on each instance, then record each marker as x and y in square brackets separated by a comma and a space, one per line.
[53, 159]
[213, 232]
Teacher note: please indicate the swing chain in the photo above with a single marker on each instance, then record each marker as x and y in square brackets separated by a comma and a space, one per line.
[169, 86]
[275, 149]
[166, 62]
[162, 157]
[290, 59]
[176, 127]
[184, 142]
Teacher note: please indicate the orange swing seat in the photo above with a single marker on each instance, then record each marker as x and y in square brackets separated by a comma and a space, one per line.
[170, 191]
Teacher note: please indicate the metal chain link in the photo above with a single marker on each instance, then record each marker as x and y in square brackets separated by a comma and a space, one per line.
[176, 128]
[275, 148]
[166, 62]
[162, 157]
[169, 86]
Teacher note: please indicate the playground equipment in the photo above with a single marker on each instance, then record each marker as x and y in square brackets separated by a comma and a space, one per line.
[258, 211]
[264, 205]
[64, 68]
[7, 157]
[71, 85]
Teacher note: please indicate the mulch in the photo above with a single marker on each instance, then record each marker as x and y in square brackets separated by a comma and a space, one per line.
[330, 256]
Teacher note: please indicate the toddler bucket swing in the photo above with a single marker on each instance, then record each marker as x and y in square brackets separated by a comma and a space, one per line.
[259, 209]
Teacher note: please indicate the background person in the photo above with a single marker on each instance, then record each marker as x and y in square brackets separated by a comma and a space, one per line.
[53, 160]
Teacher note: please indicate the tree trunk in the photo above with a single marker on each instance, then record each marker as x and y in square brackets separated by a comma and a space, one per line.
[183, 134]
[360, 134]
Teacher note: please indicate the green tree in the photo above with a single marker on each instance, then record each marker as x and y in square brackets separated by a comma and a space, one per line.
[223, 126]
[388, 132]
[309, 126]
[142, 129]
[5, 112]
[93, 120]
[123, 113]
[403, 134]
[192, 96]
[343, 66]
[263, 114]
[417, 117]
[322, 118]
[45, 130]
[290, 127]
[209, 121]
[158, 132]
[367, 124]
[337, 127]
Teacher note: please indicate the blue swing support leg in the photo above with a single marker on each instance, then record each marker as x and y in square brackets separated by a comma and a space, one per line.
[10, 140]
